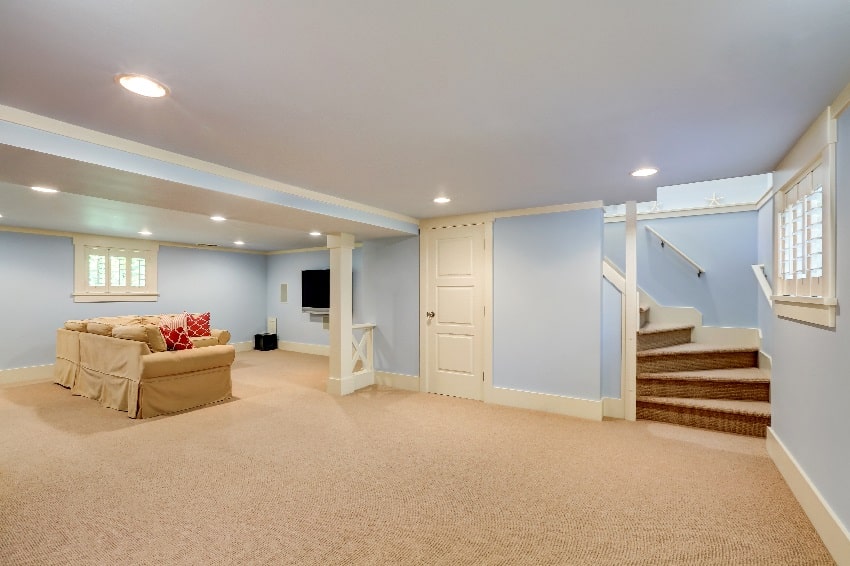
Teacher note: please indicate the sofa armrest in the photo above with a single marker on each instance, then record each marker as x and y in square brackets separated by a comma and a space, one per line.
[223, 336]
[112, 356]
[162, 364]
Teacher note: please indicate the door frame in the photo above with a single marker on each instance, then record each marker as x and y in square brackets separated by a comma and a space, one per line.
[426, 228]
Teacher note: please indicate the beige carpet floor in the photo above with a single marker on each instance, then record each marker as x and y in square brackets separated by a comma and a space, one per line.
[285, 474]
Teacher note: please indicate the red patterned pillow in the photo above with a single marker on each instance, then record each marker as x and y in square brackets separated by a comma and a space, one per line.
[176, 338]
[198, 324]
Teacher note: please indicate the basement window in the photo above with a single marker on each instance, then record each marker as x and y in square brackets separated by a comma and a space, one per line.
[113, 270]
[805, 244]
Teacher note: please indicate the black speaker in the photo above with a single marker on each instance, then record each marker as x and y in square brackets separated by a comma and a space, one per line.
[265, 342]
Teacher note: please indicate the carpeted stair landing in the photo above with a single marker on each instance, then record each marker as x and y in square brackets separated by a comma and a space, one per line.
[699, 385]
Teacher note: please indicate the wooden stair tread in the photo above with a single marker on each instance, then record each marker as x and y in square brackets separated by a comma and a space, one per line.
[750, 375]
[694, 348]
[757, 408]
[658, 327]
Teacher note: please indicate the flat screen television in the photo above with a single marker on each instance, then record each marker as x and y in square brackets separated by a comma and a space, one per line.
[316, 290]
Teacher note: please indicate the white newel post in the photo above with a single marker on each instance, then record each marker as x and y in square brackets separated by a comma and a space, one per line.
[340, 380]
[632, 314]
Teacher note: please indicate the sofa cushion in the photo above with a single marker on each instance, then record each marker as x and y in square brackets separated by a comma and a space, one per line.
[78, 325]
[198, 324]
[176, 338]
[102, 328]
[203, 341]
[130, 332]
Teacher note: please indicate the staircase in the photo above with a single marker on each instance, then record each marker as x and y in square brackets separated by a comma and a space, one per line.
[709, 386]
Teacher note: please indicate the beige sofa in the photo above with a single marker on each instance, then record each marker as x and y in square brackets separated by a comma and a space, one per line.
[121, 362]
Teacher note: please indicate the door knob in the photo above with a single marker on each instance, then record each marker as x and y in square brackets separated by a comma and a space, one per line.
[430, 314]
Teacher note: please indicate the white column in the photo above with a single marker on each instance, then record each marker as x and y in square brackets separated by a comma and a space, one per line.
[340, 380]
[632, 314]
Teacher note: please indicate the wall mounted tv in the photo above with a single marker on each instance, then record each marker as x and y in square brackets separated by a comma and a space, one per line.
[316, 290]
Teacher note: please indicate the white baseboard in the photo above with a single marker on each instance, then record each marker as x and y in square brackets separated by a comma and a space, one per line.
[300, 347]
[613, 408]
[243, 346]
[833, 533]
[570, 406]
[397, 380]
[22, 376]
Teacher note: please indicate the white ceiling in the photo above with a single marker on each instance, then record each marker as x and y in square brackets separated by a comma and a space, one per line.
[497, 104]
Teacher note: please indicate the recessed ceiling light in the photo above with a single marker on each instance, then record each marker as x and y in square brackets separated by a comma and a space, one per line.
[315, 233]
[142, 85]
[44, 190]
[442, 200]
[146, 233]
[218, 218]
[239, 243]
[644, 172]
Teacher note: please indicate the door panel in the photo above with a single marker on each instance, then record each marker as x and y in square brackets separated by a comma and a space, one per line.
[455, 296]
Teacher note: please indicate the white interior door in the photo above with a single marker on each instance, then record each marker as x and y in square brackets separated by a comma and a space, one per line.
[454, 311]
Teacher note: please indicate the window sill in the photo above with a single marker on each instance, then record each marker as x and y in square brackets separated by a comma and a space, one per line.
[814, 310]
[115, 297]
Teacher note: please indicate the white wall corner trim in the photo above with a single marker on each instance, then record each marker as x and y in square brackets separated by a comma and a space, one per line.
[26, 375]
[300, 347]
[397, 380]
[834, 534]
[549, 209]
[562, 405]
[613, 408]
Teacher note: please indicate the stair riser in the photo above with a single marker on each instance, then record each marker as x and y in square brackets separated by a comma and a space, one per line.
[663, 339]
[704, 418]
[696, 389]
[696, 361]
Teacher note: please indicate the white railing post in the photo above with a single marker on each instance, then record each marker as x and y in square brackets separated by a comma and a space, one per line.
[364, 352]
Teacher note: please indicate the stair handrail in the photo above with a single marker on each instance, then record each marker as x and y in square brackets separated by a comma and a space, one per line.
[764, 284]
[613, 274]
[667, 243]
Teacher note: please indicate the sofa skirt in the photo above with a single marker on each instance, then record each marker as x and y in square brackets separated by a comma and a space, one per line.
[170, 394]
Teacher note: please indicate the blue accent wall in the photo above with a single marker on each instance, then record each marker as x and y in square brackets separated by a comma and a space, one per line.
[547, 303]
[612, 340]
[391, 301]
[292, 324]
[723, 244]
[810, 386]
[37, 283]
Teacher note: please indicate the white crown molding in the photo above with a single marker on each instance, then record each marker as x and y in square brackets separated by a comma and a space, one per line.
[52, 126]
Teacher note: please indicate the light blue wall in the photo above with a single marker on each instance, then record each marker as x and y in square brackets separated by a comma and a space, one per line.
[391, 301]
[547, 303]
[292, 324]
[810, 385]
[36, 282]
[723, 244]
[37, 278]
[765, 257]
[612, 340]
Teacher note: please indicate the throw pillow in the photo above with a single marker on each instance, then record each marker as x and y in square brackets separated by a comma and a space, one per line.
[176, 338]
[173, 320]
[156, 341]
[198, 324]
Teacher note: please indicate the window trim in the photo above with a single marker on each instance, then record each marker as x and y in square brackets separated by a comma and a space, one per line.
[819, 309]
[82, 292]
